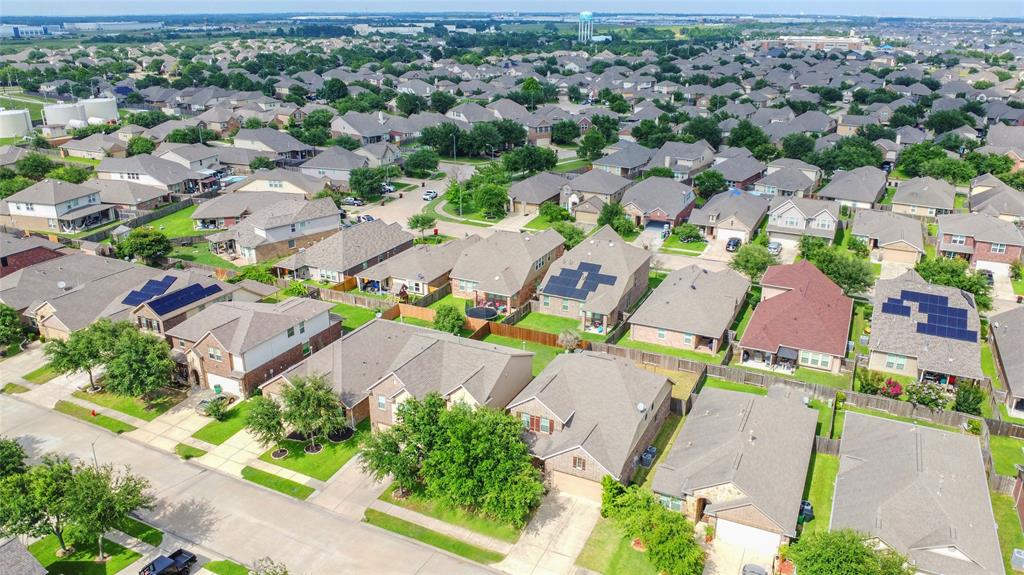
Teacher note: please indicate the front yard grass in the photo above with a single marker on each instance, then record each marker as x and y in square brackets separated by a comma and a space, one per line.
[1009, 531]
[455, 516]
[672, 351]
[819, 489]
[178, 224]
[226, 568]
[148, 410]
[279, 484]
[609, 551]
[663, 441]
[734, 386]
[217, 432]
[431, 537]
[109, 423]
[542, 354]
[673, 243]
[1007, 453]
[1018, 286]
[322, 465]
[41, 375]
[200, 253]
[556, 324]
[12, 388]
[83, 560]
[142, 532]
[539, 223]
[353, 316]
[570, 166]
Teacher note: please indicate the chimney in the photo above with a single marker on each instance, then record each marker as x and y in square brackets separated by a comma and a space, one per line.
[380, 117]
[668, 161]
[899, 138]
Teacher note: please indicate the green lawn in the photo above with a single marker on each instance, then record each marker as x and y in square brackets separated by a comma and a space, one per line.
[453, 515]
[226, 568]
[1009, 531]
[83, 560]
[1006, 415]
[41, 375]
[178, 224]
[1007, 453]
[217, 432]
[109, 423]
[353, 316]
[887, 198]
[458, 302]
[322, 465]
[93, 230]
[77, 160]
[673, 243]
[539, 223]
[432, 538]
[142, 532]
[860, 321]
[12, 388]
[740, 325]
[804, 374]
[570, 166]
[200, 253]
[734, 386]
[35, 109]
[824, 428]
[672, 351]
[542, 354]
[609, 551]
[556, 324]
[432, 239]
[474, 215]
[187, 452]
[1018, 286]
[431, 209]
[279, 484]
[819, 489]
[148, 410]
[663, 441]
[463, 332]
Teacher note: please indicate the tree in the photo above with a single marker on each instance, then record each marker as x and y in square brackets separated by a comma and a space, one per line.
[148, 244]
[969, 398]
[844, 552]
[591, 146]
[747, 135]
[421, 162]
[688, 232]
[609, 213]
[446, 139]
[332, 90]
[441, 101]
[71, 174]
[914, 157]
[34, 166]
[264, 421]
[492, 199]
[847, 154]
[553, 212]
[256, 272]
[11, 186]
[262, 163]
[705, 129]
[11, 329]
[572, 235]
[659, 172]
[876, 132]
[709, 183]
[670, 545]
[190, 135]
[954, 272]
[366, 183]
[565, 132]
[140, 145]
[529, 159]
[103, 499]
[797, 145]
[946, 120]
[312, 409]
[608, 126]
[448, 319]
[752, 260]
[86, 349]
[421, 222]
[399, 451]
[40, 501]
[950, 169]
[12, 458]
[409, 103]
[319, 118]
[252, 123]
[139, 363]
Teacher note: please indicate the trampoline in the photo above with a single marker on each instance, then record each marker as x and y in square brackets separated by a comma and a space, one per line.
[481, 312]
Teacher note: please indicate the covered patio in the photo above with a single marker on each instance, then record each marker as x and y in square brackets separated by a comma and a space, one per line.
[86, 217]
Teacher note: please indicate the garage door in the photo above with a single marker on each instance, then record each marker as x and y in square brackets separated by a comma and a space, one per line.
[227, 385]
[998, 269]
[899, 256]
[572, 485]
[724, 234]
[756, 541]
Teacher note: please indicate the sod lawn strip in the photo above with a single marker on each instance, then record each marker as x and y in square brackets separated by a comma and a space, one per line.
[432, 538]
[326, 462]
[225, 567]
[453, 515]
[41, 375]
[217, 432]
[187, 452]
[109, 423]
[142, 532]
[83, 560]
[279, 484]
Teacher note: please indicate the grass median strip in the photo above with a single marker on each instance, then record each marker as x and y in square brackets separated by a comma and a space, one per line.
[431, 537]
[12, 388]
[280, 484]
[109, 423]
[453, 515]
[41, 375]
[142, 532]
[147, 410]
[226, 568]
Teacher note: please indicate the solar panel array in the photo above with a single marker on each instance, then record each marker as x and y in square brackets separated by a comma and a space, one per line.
[181, 298]
[942, 320]
[578, 283]
[150, 290]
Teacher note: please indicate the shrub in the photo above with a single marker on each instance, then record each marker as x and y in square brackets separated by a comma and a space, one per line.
[974, 426]
[969, 398]
[925, 394]
[688, 233]
[217, 409]
[892, 388]
[448, 319]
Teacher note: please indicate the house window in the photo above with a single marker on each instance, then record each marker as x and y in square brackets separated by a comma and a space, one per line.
[291, 244]
[547, 301]
[291, 331]
[302, 327]
[565, 304]
[539, 263]
[671, 503]
[815, 359]
[545, 425]
[791, 222]
[661, 334]
[958, 240]
[382, 402]
[897, 362]
[525, 417]
[292, 228]
[579, 463]
[465, 285]
[688, 338]
[275, 184]
[999, 248]
[214, 354]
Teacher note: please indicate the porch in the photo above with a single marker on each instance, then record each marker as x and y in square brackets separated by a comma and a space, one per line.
[87, 217]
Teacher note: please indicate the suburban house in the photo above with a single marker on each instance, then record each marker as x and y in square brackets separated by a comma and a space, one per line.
[417, 271]
[152, 171]
[17, 252]
[1000, 201]
[461, 370]
[94, 147]
[280, 180]
[129, 196]
[935, 507]
[658, 201]
[597, 281]
[740, 172]
[58, 206]
[803, 321]
[685, 160]
[792, 218]
[859, 188]
[924, 197]
[278, 229]
[526, 196]
[233, 347]
[588, 193]
[1006, 141]
[588, 415]
[380, 154]
[16, 558]
[193, 156]
[926, 331]
[627, 161]
[788, 177]
[986, 241]
[692, 309]
[1006, 336]
[341, 257]
[227, 210]
[335, 163]
[34, 284]
[732, 214]
[890, 237]
[509, 281]
[739, 465]
[279, 146]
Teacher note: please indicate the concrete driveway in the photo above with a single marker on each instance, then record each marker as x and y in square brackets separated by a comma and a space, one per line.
[716, 251]
[31, 359]
[892, 270]
[555, 536]
[1002, 288]
[175, 426]
[729, 559]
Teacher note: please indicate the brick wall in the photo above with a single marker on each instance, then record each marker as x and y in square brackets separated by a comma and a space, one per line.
[15, 262]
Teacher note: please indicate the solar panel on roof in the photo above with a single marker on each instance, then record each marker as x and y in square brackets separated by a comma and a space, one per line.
[181, 298]
[896, 309]
[134, 298]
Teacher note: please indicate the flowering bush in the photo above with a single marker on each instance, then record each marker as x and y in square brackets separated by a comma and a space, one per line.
[926, 394]
[891, 388]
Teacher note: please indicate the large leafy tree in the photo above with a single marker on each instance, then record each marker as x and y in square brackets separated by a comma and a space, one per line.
[264, 421]
[441, 101]
[409, 103]
[565, 132]
[492, 199]
[85, 349]
[34, 166]
[421, 162]
[146, 243]
[421, 222]
[847, 154]
[591, 146]
[797, 146]
[366, 183]
[41, 501]
[709, 183]
[573, 235]
[400, 450]
[12, 458]
[71, 174]
[139, 145]
[705, 129]
[446, 139]
[103, 499]
[914, 157]
[844, 552]
[11, 329]
[529, 159]
[332, 90]
[752, 260]
[139, 363]
[311, 407]
[747, 135]
[954, 272]
[448, 319]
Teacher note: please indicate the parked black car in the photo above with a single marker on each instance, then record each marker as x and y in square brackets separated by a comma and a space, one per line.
[179, 563]
[733, 244]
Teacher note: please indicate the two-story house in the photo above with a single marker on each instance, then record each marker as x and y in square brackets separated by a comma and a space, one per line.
[509, 281]
[278, 229]
[588, 193]
[341, 257]
[196, 157]
[685, 160]
[158, 172]
[280, 180]
[787, 177]
[233, 347]
[58, 206]
[279, 146]
[227, 210]
[793, 218]
[988, 242]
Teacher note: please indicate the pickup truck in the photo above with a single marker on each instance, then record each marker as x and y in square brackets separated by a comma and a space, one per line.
[179, 563]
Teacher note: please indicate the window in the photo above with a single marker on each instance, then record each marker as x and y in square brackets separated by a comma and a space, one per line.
[578, 463]
[291, 244]
[536, 423]
[791, 222]
[466, 285]
[51, 223]
[525, 417]
[214, 354]
[275, 184]
[661, 334]
[547, 301]
[539, 263]
[671, 503]
[895, 362]
[999, 248]
[382, 402]
[545, 425]
[565, 304]
[957, 240]
[815, 359]
[291, 331]
[688, 338]
[291, 228]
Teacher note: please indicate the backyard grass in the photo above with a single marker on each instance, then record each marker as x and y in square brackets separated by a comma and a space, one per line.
[142, 532]
[655, 278]
[200, 253]
[12, 388]
[463, 331]
[672, 351]
[458, 302]
[1007, 417]
[148, 410]
[217, 432]
[93, 230]
[1009, 531]
[353, 316]
[860, 321]
[570, 166]
[41, 375]
[83, 560]
[187, 452]
[740, 325]
[178, 224]
[555, 324]
[840, 419]
[322, 465]
[432, 538]
[433, 239]
[77, 160]
[824, 428]
[819, 489]
[803, 374]
[542, 354]
[109, 423]
[734, 386]
[1007, 453]
[609, 551]
[663, 441]
[453, 515]
[226, 568]
[887, 198]
[279, 484]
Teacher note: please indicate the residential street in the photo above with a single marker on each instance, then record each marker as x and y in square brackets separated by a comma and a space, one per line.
[228, 516]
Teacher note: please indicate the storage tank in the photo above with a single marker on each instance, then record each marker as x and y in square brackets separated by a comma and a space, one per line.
[103, 108]
[62, 114]
[14, 123]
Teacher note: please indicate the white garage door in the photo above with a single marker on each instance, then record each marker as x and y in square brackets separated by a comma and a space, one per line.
[227, 385]
[724, 234]
[754, 540]
[572, 485]
[996, 268]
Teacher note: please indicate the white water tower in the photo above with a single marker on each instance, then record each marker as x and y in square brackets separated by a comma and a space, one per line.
[586, 32]
[15, 123]
[103, 108]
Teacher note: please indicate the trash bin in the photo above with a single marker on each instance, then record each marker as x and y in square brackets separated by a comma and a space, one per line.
[217, 388]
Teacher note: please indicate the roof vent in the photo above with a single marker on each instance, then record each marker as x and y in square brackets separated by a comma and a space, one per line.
[641, 407]
[61, 285]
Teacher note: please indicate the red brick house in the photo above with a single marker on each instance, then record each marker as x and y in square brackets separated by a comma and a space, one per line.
[986, 241]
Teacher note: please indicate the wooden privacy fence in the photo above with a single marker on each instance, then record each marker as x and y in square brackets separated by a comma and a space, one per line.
[543, 338]
[649, 358]
[1005, 428]
[434, 296]
[328, 294]
[1001, 483]
[827, 446]
[909, 410]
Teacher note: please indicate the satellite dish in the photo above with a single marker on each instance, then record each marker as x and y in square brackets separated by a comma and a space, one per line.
[61, 285]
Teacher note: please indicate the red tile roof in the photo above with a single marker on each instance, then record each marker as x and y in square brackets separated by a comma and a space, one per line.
[813, 314]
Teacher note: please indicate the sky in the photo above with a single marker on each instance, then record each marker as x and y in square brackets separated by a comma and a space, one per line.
[919, 8]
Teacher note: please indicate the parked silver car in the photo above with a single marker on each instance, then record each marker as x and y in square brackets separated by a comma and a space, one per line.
[774, 248]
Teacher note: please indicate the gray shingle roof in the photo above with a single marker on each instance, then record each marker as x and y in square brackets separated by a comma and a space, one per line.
[694, 300]
[538, 188]
[788, 179]
[50, 193]
[599, 182]
[657, 193]
[865, 184]
[124, 192]
[423, 263]
[927, 192]
[504, 275]
[164, 171]
[276, 215]
[888, 228]
[237, 204]
[40, 281]
[15, 559]
[981, 227]
[350, 247]
[336, 158]
[748, 209]
[280, 142]
[1000, 200]
[1007, 329]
